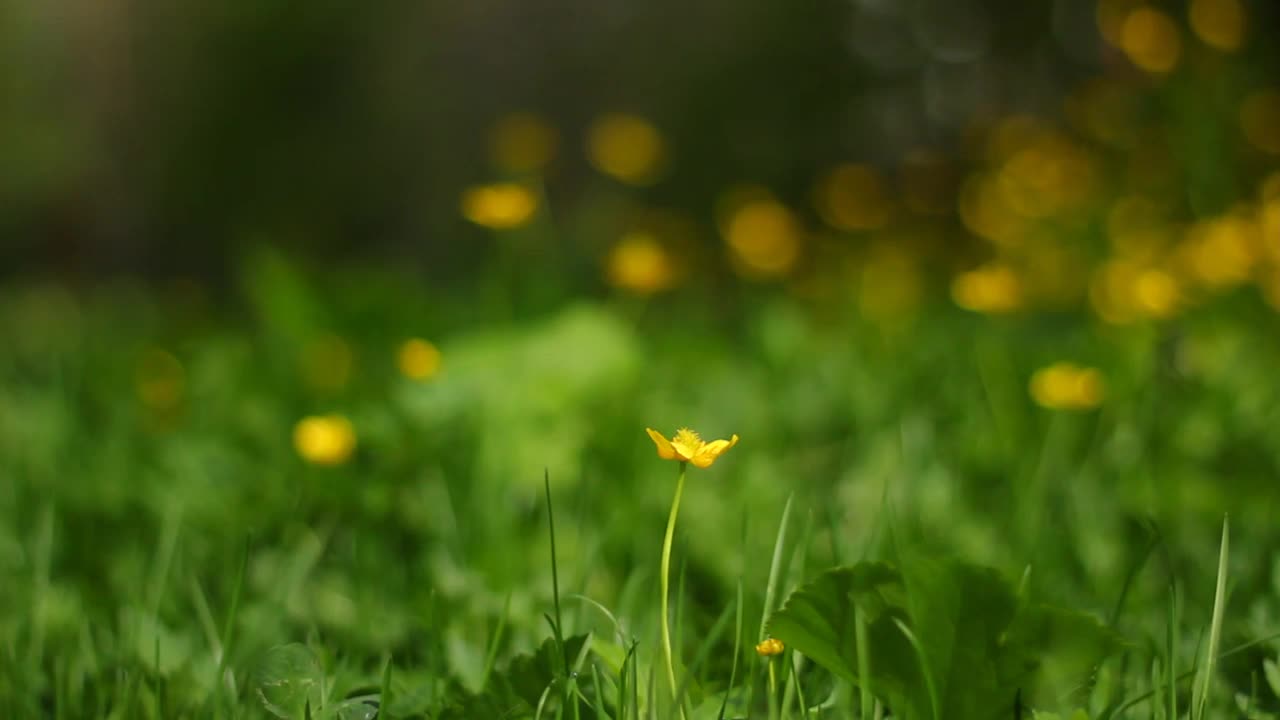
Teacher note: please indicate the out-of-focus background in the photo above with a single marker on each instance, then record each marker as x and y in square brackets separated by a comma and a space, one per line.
[328, 287]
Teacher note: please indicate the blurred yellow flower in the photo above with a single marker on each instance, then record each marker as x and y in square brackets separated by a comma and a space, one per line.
[984, 209]
[522, 142]
[160, 380]
[687, 446]
[499, 206]
[1122, 291]
[640, 264]
[1219, 23]
[324, 439]
[1260, 120]
[1221, 252]
[993, 288]
[626, 147]
[1111, 15]
[418, 359]
[852, 197]
[765, 238]
[1151, 41]
[1065, 386]
[770, 647]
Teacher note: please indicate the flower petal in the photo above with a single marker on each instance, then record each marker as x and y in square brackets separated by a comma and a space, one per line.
[711, 451]
[665, 450]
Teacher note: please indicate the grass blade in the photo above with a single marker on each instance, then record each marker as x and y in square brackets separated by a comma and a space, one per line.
[1215, 626]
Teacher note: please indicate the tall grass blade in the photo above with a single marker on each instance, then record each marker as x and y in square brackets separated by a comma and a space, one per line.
[1215, 627]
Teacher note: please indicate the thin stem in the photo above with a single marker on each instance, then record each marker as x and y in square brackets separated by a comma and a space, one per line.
[666, 585]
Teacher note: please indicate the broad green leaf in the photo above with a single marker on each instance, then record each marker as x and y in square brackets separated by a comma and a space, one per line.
[979, 646]
[287, 678]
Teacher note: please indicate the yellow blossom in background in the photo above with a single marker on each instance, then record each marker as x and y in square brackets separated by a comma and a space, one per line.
[160, 380]
[852, 197]
[418, 359]
[985, 211]
[1260, 120]
[324, 439]
[1218, 23]
[993, 288]
[1221, 252]
[1047, 176]
[522, 142]
[1138, 227]
[764, 237]
[1065, 386]
[1123, 291]
[626, 147]
[1151, 40]
[1111, 15]
[326, 363]
[499, 206]
[770, 647]
[687, 446]
[640, 264]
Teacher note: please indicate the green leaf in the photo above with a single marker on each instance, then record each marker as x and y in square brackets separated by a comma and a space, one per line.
[287, 678]
[978, 645]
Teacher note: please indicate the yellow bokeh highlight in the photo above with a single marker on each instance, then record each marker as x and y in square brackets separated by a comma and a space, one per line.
[640, 264]
[1218, 23]
[626, 147]
[764, 237]
[993, 289]
[1066, 386]
[852, 197]
[1124, 291]
[324, 439]
[1221, 252]
[1048, 176]
[985, 211]
[1110, 15]
[522, 142]
[1260, 120]
[499, 206]
[1151, 40]
[160, 380]
[418, 359]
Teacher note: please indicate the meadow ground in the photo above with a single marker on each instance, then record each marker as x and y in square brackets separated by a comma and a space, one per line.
[305, 501]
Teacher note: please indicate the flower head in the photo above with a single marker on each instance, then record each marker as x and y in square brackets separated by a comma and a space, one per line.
[687, 446]
[324, 439]
[769, 647]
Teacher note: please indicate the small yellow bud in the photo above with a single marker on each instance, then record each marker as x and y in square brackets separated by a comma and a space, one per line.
[770, 647]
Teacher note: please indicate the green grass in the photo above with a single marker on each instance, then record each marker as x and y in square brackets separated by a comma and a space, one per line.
[926, 540]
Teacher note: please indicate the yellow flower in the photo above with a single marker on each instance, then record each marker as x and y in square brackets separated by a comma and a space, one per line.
[1064, 386]
[324, 439]
[770, 647]
[686, 446]
[641, 264]
[418, 359]
[499, 206]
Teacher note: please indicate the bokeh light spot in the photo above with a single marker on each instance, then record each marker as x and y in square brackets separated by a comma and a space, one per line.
[324, 439]
[1218, 23]
[626, 147]
[1065, 386]
[994, 288]
[640, 264]
[418, 359]
[764, 236]
[1151, 40]
[499, 206]
[852, 197]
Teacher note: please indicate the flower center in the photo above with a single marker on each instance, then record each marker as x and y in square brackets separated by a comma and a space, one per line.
[687, 442]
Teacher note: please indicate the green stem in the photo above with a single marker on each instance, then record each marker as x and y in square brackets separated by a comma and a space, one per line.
[666, 585]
